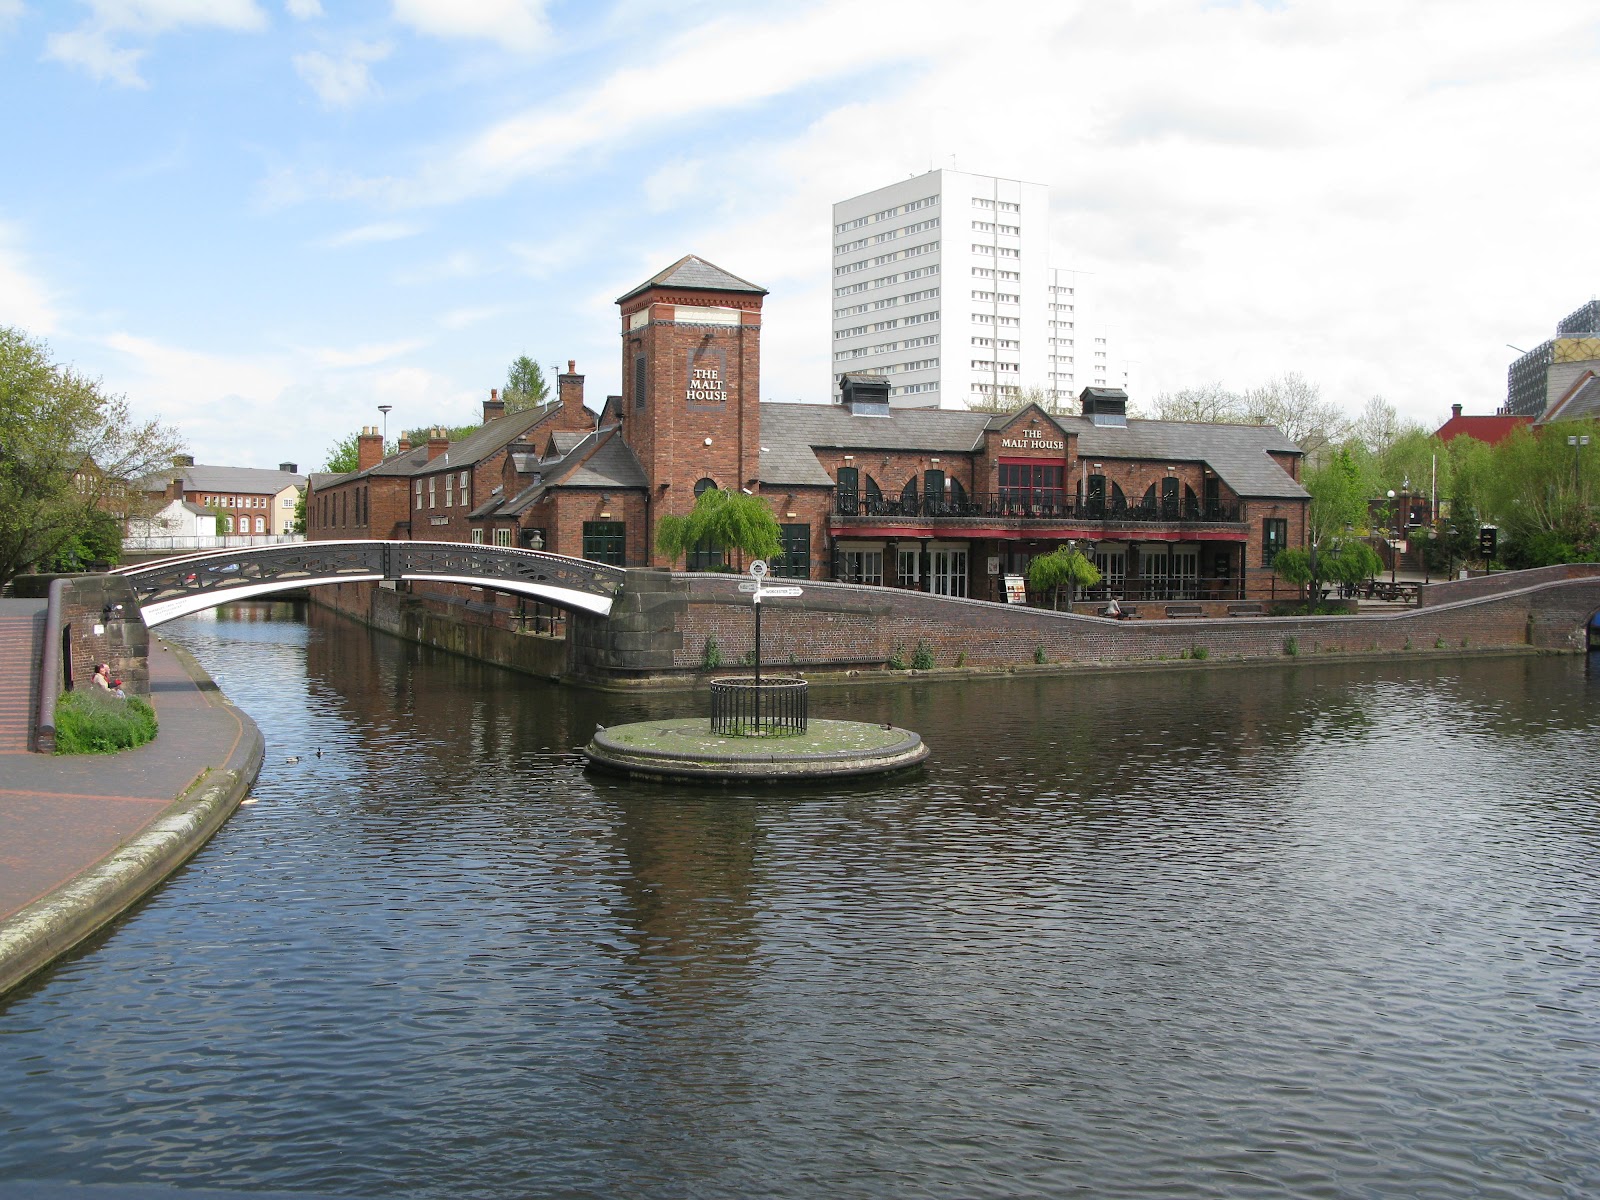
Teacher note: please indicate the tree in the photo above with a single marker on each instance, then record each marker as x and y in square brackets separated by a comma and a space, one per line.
[731, 520]
[1209, 404]
[525, 385]
[70, 458]
[1295, 405]
[344, 455]
[1062, 567]
[1378, 425]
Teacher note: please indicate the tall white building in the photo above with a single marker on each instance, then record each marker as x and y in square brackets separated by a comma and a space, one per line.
[942, 283]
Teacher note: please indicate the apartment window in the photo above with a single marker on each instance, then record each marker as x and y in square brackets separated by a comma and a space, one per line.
[983, 226]
[227, 524]
[261, 524]
[450, 490]
[433, 481]
[418, 503]
[605, 542]
[477, 537]
[1274, 538]
[502, 537]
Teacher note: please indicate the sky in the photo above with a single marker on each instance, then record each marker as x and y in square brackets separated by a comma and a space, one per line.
[261, 219]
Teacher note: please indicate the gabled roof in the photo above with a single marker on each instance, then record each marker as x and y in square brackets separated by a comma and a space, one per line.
[1239, 454]
[601, 459]
[1489, 430]
[251, 481]
[1580, 402]
[694, 274]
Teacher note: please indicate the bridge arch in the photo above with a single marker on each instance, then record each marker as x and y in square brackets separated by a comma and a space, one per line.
[176, 587]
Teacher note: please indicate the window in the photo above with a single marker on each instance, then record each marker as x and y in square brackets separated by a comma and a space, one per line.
[433, 481]
[418, 503]
[1030, 485]
[464, 500]
[605, 542]
[477, 537]
[847, 487]
[707, 556]
[227, 524]
[933, 491]
[860, 565]
[1274, 538]
[261, 524]
[502, 537]
[795, 561]
[1097, 495]
[450, 490]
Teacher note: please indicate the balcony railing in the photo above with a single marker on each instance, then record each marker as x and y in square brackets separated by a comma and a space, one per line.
[1040, 505]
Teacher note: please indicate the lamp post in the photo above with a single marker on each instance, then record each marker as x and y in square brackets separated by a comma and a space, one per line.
[1394, 553]
[1577, 442]
[386, 409]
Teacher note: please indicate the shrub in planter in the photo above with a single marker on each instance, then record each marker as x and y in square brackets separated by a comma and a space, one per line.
[93, 721]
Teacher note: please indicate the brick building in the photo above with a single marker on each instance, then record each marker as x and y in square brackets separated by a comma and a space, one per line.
[245, 500]
[946, 502]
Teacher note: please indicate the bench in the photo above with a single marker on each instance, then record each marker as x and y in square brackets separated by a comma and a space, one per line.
[1184, 610]
[1128, 613]
[1245, 610]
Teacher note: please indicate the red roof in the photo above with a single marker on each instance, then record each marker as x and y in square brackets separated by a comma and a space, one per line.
[1489, 430]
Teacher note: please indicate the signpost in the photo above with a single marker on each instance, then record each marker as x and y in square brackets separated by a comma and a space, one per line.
[756, 588]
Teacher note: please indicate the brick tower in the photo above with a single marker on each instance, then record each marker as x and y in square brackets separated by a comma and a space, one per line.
[691, 381]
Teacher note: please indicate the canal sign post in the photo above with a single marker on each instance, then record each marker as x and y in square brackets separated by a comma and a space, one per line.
[757, 588]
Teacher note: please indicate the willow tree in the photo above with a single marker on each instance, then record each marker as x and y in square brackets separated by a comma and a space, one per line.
[1062, 568]
[723, 520]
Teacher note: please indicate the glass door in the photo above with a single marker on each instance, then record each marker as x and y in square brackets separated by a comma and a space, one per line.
[949, 572]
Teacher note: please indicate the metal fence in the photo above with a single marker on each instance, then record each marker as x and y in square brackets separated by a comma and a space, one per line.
[179, 543]
[742, 707]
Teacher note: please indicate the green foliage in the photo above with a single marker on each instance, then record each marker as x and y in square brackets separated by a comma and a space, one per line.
[70, 457]
[922, 659]
[896, 660]
[1293, 566]
[1352, 563]
[722, 518]
[1060, 568]
[961, 658]
[299, 513]
[1291, 647]
[99, 540]
[525, 385]
[1199, 652]
[94, 721]
[343, 456]
[420, 435]
[711, 653]
[1039, 656]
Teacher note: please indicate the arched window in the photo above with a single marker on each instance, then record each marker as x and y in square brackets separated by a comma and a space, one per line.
[707, 556]
[847, 489]
[958, 497]
[703, 485]
[1095, 498]
[1119, 502]
[874, 496]
[908, 497]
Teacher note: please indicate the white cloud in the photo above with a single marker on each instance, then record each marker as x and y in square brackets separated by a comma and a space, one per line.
[25, 301]
[364, 356]
[303, 10]
[378, 231]
[462, 318]
[10, 11]
[516, 24]
[96, 44]
[342, 81]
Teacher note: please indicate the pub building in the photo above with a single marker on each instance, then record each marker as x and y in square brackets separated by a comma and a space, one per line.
[948, 502]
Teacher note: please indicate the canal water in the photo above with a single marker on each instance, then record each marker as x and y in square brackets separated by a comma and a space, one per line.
[1317, 930]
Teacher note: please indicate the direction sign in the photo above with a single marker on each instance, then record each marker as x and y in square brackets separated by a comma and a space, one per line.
[750, 585]
[758, 568]
[780, 591]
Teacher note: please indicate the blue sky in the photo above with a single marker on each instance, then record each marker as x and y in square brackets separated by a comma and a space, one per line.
[260, 219]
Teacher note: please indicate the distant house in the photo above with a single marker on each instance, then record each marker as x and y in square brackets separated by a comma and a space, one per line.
[246, 500]
[1580, 402]
[178, 519]
[1489, 430]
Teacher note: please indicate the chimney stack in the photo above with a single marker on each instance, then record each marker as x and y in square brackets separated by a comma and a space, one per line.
[404, 445]
[570, 388]
[369, 448]
[1455, 410]
[438, 443]
[175, 488]
[493, 407]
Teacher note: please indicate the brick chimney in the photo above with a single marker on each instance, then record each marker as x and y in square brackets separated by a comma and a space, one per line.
[369, 448]
[1455, 411]
[493, 407]
[175, 488]
[404, 445]
[571, 389]
[438, 443]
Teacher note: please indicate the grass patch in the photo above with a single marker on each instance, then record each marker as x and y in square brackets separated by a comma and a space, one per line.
[93, 721]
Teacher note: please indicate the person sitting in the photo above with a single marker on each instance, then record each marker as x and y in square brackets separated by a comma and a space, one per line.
[102, 679]
[1114, 610]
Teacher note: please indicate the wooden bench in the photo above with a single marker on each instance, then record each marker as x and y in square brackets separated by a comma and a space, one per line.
[1129, 613]
[1246, 610]
[1185, 610]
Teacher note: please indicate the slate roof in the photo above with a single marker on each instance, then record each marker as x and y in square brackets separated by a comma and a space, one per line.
[483, 441]
[695, 274]
[1580, 402]
[610, 465]
[249, 481]
[1237, 453]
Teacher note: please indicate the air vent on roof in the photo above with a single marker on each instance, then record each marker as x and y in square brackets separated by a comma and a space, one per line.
[864, 395]
[1105, 406]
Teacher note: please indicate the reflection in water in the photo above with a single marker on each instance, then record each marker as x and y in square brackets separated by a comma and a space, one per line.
[1324, 930]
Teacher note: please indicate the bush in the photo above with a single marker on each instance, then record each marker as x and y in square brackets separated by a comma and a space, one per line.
[1291, 647]
[1039, 656]
[711, 656]
[922, 660]
[961, 658]
[92, 721]
[897, 660]
[1199, 652]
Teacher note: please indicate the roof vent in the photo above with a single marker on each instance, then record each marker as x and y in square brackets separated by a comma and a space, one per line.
[1105, 406]
[864, 395]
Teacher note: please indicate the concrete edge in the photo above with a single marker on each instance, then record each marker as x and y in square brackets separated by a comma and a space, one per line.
[48, 928]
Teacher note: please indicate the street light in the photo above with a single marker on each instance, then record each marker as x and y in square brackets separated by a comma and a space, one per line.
[1394, 553]
[1577, 442]
[385, 409]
